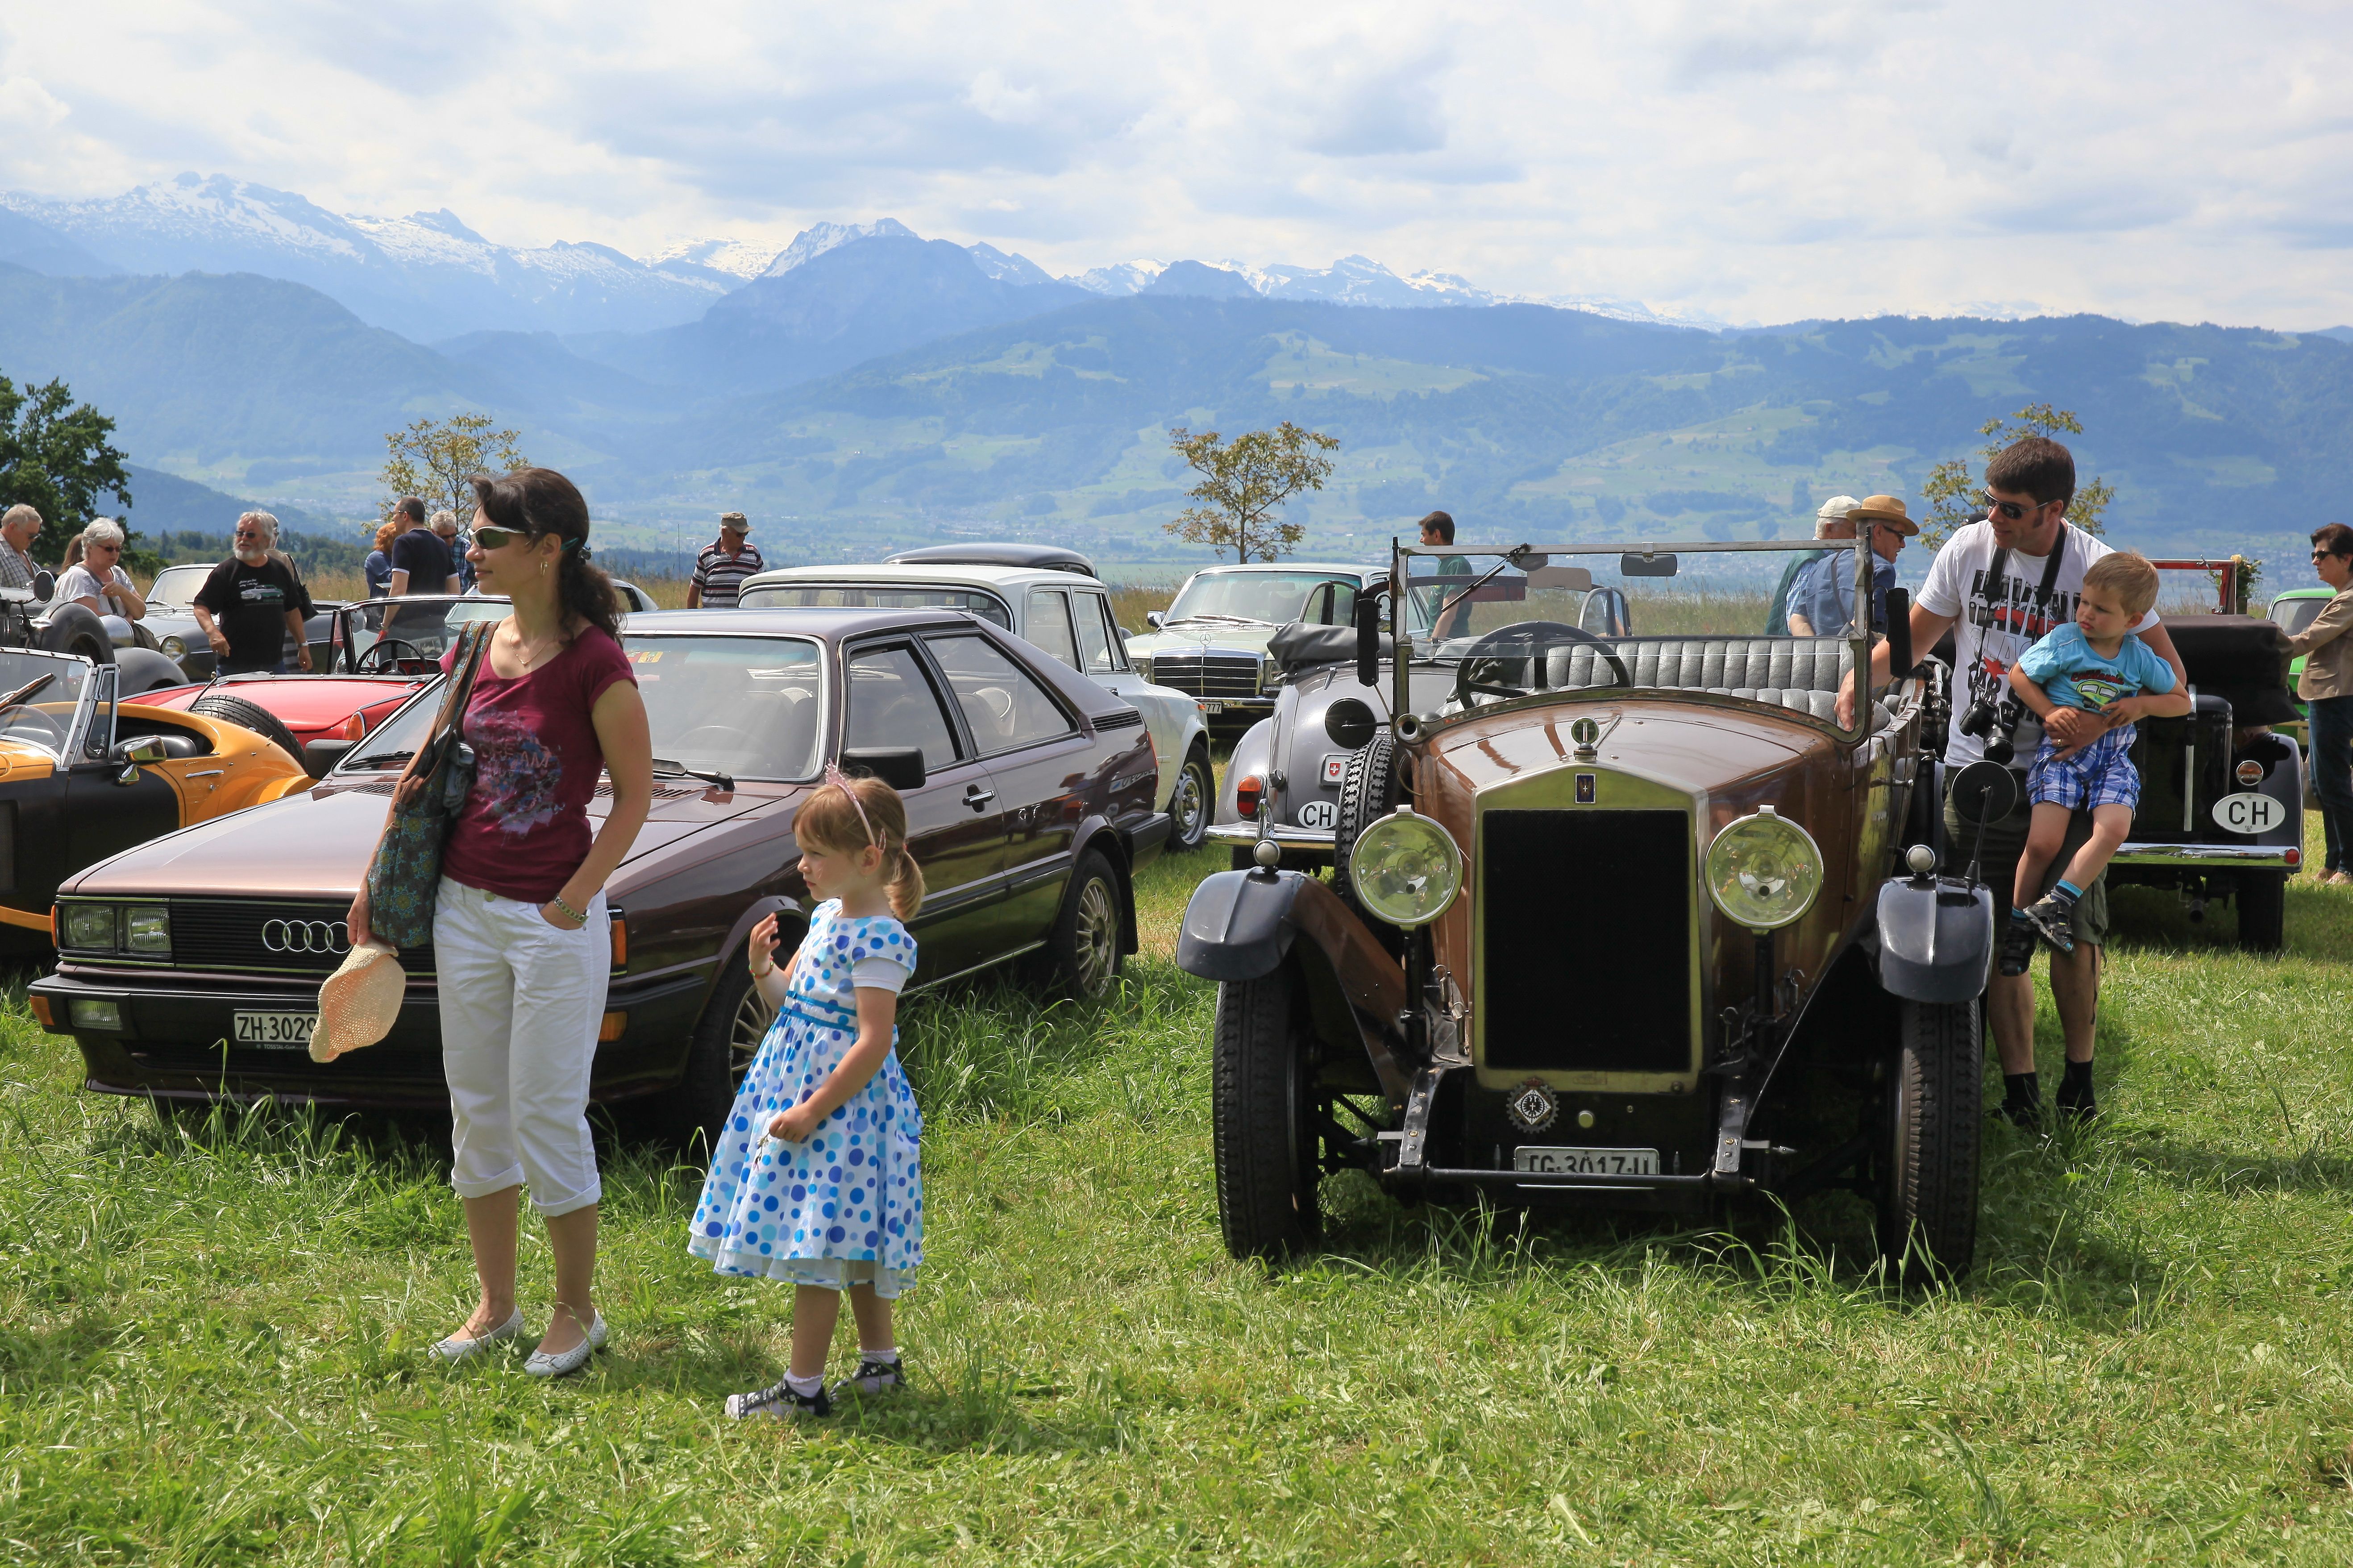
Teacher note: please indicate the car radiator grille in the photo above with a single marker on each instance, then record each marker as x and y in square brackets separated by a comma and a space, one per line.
[227, 935]
[1586, 931]
[1208, 675]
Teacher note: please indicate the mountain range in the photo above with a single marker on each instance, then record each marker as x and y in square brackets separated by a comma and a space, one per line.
[429, 277]
[867, 386]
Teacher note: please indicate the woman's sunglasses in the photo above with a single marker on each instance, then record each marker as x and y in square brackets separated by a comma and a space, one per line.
[2011, 511]
[498, 538]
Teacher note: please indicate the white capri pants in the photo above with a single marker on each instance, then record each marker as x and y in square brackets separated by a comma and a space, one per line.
[521, 1006]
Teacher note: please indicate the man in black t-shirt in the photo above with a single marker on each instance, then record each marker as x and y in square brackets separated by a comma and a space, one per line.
[421, 563]
[250, 605]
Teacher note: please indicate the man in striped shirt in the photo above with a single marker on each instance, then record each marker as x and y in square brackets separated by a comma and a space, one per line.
[719, 569]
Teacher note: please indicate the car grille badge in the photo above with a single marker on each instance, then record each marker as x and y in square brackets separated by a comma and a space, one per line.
[1531, 1106]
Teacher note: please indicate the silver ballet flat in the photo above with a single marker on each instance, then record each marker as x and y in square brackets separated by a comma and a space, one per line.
[542, 1365]
[458, 1347]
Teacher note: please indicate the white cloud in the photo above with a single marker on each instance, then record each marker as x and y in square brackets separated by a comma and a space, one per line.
[1752, 159]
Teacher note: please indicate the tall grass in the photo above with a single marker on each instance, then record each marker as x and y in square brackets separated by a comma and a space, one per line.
[211, 1330]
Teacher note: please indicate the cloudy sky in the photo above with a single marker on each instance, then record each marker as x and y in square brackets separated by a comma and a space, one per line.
[1753, 161]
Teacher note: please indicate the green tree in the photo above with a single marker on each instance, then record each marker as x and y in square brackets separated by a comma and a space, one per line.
[1244, 483]
[57, 457]
[1952, 487]
[436, 461]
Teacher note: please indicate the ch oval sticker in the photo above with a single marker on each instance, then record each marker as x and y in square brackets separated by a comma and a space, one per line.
[2249, 812]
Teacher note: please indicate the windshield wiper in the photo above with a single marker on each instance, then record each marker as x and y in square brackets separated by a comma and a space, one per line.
[382, 757]
[666, 769]
[27, 690]
[1217, 616]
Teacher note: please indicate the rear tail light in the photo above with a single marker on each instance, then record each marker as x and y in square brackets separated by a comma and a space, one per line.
[1247, 794]
[2295, 858]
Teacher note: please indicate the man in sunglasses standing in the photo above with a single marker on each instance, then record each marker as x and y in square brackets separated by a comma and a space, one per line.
[1998, 585]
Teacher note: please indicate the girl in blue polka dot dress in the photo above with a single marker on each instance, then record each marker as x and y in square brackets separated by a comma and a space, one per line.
[817, 1179]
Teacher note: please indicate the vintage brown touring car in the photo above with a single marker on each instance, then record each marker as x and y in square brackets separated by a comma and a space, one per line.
[190, 967]
[1615, 921]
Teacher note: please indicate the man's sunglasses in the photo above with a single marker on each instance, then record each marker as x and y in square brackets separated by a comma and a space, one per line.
[2011, 511]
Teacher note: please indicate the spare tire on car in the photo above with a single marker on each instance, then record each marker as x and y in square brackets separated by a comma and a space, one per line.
[75, 629]
[252, 716]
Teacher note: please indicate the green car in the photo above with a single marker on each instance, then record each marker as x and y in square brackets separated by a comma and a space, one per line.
[2292, 612]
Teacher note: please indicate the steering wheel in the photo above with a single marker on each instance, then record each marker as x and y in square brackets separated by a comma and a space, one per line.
[369, 663]
[23, 716]
[1507, 650]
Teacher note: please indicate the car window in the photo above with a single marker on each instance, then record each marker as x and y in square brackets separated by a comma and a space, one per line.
[1049, 623]
[175, 588]
[1003, 703]
[891, 703]
[1093, 614]
[2292, 616]
[861, 596]
[1332, 604]
[742, 705]
[1277, 598]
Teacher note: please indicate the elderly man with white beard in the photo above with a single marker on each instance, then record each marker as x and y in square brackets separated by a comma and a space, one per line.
[252, 601]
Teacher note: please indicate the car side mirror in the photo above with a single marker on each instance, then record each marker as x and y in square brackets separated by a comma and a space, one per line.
[1154, 619]
[133, 755]
[901, 767]
[45, 587]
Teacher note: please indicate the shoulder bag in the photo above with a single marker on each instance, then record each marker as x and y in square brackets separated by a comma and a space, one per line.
[404, 878]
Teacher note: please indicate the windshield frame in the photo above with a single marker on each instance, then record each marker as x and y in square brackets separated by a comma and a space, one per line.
[1860, 644]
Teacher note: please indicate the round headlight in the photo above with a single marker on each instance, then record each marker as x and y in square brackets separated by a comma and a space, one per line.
[1764, 870]
[1406, 868]
[175, 647]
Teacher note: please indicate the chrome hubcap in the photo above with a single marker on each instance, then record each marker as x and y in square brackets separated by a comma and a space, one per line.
[752, 1016]
[1096, 940]
[1191, 807]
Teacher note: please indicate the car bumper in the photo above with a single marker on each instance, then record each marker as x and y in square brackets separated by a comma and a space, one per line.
[2219, 856]
[175, 1040]
[1307, 846]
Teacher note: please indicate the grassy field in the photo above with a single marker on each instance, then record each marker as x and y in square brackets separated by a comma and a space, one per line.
[211, 1333]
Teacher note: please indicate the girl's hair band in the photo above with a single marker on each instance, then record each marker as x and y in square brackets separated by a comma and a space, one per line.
[840, 781]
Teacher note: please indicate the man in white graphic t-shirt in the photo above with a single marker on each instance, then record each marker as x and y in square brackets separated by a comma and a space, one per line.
[1994, 620]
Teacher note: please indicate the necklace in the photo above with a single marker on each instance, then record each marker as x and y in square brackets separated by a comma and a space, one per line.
[531, 652]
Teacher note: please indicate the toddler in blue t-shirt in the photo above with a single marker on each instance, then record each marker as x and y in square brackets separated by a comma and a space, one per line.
[2098, 666]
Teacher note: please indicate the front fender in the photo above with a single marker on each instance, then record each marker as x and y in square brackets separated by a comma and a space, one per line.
[1243, 925]
[1936, 942]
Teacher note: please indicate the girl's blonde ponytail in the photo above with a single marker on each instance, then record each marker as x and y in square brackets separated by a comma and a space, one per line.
[905, 890]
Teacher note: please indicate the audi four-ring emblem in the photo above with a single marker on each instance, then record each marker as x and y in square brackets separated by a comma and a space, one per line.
[306, 936]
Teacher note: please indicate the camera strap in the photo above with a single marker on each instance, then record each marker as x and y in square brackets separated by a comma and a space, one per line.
[1997, 573]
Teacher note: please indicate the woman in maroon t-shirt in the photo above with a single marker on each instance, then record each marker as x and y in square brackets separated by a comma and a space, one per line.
[521, 941]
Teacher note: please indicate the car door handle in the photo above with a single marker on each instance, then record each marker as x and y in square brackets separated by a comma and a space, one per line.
[977, 797]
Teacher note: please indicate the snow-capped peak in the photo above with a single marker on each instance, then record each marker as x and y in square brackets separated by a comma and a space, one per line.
[1121, 277]
[819, 237]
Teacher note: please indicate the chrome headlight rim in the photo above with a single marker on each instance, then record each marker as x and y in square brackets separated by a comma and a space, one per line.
[1380, 901]
[1773, 911]
[175, 647]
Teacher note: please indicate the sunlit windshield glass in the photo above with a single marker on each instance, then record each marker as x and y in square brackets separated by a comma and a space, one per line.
[748, 707]
[1276, 597]
[1771, 626]
[175, 586]
[42, 695]
[869, 597]
[2294, 614]
[744, 706]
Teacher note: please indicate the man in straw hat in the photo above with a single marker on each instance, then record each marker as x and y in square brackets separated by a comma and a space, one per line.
[1830, 522]
[1821, 601]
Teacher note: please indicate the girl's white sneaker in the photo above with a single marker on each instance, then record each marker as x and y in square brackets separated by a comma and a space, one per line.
[542, 1365]
[458, 1347]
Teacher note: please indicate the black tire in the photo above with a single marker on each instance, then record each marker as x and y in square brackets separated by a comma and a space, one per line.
[1192, 802]
[1368, 789]
[1262, 1116]
[251, 716]
[693, 1112]
[75, 629]
[1082, 954]
[2262, 897]
[1928, 1169]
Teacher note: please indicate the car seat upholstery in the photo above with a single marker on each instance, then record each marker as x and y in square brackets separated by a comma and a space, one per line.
[1803, 673]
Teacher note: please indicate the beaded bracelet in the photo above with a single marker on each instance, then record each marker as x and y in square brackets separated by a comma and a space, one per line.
[567, 909]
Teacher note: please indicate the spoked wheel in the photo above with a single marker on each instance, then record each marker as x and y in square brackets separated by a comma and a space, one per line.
[1082, 953]
[1189, 806]
[1927, 1197]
